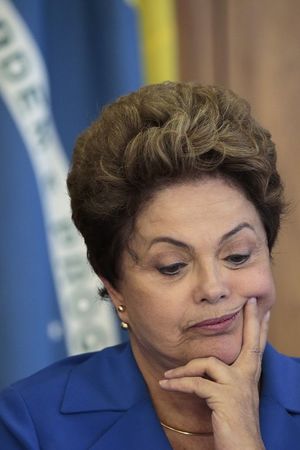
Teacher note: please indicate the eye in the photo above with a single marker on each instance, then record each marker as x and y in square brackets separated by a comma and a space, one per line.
[237, 259]
[172, 269]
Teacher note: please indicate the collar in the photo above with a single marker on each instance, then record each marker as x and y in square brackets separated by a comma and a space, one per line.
[111, 381]
[106, 381]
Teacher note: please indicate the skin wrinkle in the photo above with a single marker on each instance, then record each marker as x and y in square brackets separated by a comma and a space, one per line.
[169, 240]
[189, 250]
[135, 232]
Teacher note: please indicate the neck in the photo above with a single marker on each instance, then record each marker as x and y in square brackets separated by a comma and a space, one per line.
[186, 433]
[181, 411]
[176, 409]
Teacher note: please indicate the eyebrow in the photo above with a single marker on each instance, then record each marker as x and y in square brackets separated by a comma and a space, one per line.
[169, 240]
[181, 244]
[236, 230]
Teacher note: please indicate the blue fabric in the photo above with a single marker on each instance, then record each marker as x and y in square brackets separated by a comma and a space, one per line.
[99, 401]
[91, 53]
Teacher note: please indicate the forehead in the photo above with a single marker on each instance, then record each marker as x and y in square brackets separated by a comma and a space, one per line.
[208, 207]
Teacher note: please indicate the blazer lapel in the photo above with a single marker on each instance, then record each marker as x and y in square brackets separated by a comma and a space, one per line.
[107, 381]
[109, 387]
[137, 428]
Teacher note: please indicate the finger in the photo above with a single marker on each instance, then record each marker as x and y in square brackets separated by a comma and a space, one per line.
[190, 385]
[251, 331]
[263, 340]
[210, 367]
[251, 352]
[264, 331]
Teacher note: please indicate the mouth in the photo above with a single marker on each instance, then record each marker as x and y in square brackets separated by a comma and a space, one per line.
[219, 323]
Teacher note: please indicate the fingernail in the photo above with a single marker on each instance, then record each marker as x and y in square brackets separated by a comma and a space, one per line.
[163, 383]
[267, 316]
[168, 373]
[252, 300]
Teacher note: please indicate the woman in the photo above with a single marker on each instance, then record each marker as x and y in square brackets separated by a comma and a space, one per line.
[176, 193]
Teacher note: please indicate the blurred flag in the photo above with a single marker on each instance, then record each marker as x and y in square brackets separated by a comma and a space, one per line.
[159, 39]
[60, 61]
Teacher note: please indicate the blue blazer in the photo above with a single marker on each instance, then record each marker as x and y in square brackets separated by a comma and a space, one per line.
[99, 401]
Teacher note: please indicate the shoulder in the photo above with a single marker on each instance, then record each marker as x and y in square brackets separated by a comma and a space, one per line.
[273, 357]
[280, 399]
[32, 407]
[281, 378]
[56, 374]
[280, 365]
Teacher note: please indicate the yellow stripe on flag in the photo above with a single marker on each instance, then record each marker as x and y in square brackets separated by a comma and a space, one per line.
[159, 47]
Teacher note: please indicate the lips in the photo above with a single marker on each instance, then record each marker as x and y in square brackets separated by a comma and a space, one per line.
[216, 321]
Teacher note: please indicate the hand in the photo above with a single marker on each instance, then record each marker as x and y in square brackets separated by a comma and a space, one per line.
[231, 392]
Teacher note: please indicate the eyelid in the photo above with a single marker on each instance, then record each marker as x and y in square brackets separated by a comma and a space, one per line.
[167, 270]
[244, 257]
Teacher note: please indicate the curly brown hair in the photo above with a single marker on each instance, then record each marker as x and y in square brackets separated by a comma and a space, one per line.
[164, 134]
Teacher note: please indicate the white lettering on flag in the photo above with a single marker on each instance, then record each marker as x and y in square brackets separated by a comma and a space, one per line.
[88, 323]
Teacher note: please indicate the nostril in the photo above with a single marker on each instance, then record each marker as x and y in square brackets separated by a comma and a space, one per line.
[213, 297]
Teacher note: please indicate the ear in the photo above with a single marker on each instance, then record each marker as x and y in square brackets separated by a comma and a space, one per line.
[116, 298]
[114, 294]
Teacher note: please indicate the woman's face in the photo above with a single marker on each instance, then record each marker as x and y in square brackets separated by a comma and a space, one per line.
[201, 253]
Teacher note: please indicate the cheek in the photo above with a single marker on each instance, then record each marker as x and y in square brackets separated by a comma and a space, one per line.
[266, 297]
[259, 283]
[152, 308]
[143, 302]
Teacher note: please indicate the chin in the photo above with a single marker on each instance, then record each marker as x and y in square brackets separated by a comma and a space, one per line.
[225, 348]
[228, 355]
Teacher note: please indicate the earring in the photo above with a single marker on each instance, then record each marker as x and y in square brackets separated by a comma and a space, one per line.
[121, 308]
[124, 325]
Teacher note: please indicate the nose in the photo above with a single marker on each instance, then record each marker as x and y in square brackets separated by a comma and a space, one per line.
[211, 285]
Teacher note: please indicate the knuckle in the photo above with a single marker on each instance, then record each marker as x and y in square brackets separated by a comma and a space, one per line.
[212, 360]
[192, 363]
[197, 385]
[255, 351]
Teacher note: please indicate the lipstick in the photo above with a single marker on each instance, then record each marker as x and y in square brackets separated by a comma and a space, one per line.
[218, 324]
